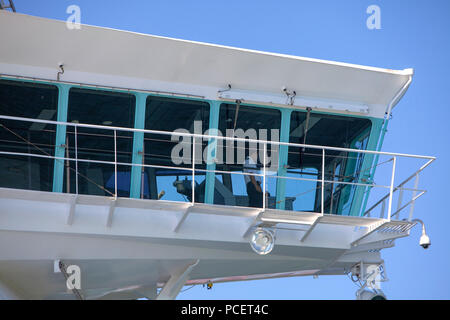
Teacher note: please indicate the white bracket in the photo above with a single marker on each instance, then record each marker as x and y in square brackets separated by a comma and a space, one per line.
[372, 246]
[311, 228]
[112, 207]
[73, 204]
[183, 218]
[249, 229]
[176, 282]
[373, 228]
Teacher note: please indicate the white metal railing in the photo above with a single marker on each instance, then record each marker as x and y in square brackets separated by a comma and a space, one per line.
[400, 188]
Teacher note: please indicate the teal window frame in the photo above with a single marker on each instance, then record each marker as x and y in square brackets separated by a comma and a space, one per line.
[45, 83]
[138, 143]
[376, 136]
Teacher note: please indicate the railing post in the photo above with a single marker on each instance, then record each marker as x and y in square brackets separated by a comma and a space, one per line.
[400, 198]
[115, 164]
[264, 175]
[193, 170]
[391, 189]
[383, 208]
[416, 185]
[76, 160]
[322, 204]
[67, 162]
[333, 177]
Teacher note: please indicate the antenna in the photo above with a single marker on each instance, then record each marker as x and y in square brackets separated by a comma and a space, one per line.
[4, 6]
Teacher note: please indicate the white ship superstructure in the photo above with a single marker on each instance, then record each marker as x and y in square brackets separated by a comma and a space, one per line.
[116, 158]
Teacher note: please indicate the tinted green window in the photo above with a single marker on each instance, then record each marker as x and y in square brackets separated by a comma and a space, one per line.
[29, 100]
[99, 108]
[246, 122]
[323, 130]
[171, 114]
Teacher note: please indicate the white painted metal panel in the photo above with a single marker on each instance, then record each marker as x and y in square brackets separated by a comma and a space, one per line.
[119, 58]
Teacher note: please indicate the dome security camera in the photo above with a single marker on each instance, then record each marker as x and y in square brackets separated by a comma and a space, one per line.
[425, 241]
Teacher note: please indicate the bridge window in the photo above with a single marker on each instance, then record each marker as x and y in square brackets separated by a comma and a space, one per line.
[173, 114]
[254, 123]
[324, 130]
[99, 108]
[29, 100]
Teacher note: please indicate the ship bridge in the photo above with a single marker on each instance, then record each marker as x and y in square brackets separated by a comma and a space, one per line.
[150, 163]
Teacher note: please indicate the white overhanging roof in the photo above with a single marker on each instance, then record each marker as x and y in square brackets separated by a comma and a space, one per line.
[33, 46]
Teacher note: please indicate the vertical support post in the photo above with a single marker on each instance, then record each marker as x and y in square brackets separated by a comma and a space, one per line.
[264, 175]
[416, 185]
[210, 175]
[142, 181]
[58, 168]
[193, 170]
[76, 160]
[138, 146]
[67, 162]
[115, 164]
[332, 188]
[29, 159]
[283, 158]
[391, 189]
[322, 202]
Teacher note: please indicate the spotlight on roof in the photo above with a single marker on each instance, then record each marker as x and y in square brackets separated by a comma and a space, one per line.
[262, 241]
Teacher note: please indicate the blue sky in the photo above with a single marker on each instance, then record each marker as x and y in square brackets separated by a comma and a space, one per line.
[414, 34]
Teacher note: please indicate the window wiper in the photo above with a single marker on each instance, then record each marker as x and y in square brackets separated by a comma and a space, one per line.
[305, 129]
[305, 132]
[238, 103]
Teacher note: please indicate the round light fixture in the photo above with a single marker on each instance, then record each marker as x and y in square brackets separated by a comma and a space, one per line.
[370, 295]
[262, 241]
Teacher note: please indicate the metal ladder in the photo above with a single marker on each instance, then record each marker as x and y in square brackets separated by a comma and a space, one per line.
[4, 6]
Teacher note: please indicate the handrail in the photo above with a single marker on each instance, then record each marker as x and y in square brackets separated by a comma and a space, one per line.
[205, 170]
[195, 135]
[264, 175]
[399, 187]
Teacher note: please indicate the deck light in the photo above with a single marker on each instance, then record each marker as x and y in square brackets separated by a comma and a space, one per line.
[370, 295]
[262, 241]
